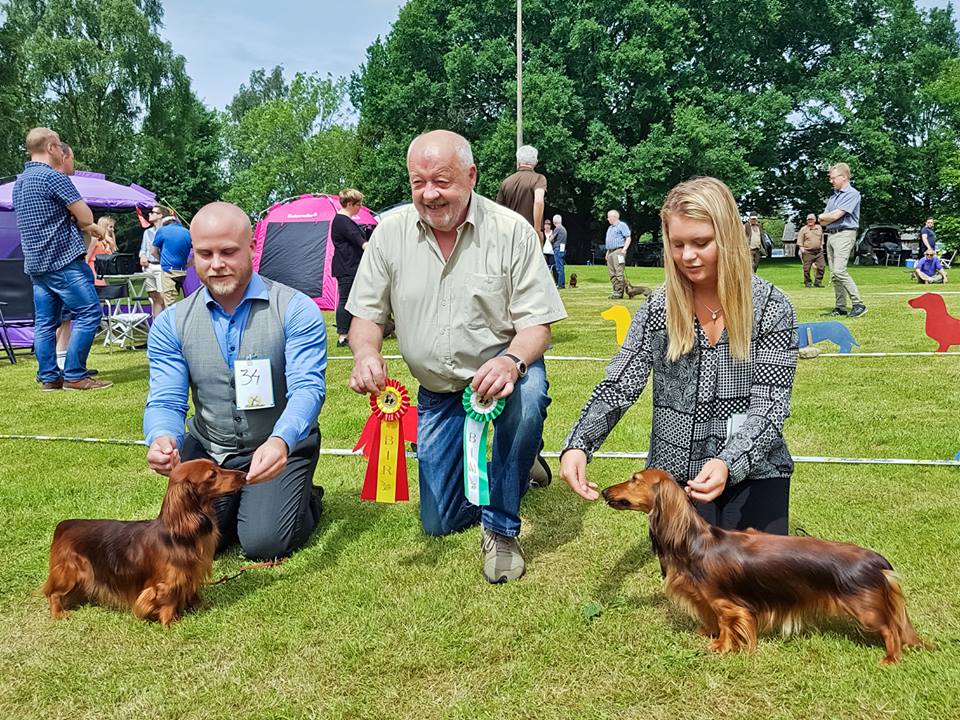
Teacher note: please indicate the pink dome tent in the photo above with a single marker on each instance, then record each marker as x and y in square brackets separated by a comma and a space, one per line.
[293, 245]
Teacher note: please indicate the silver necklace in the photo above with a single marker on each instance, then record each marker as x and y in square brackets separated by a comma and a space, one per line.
[713, 313]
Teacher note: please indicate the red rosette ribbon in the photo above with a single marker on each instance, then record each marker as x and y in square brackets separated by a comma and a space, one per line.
[390, 425]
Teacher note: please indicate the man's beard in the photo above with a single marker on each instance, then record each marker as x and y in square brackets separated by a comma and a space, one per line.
[227, 285]
[444, 219]
[442, 224]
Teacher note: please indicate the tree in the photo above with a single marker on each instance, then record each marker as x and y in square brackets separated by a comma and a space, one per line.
[262, 88]
[92, 68]
[290, 145]
[14, 106]
[178, 150]
[625, 98]
[99, 74]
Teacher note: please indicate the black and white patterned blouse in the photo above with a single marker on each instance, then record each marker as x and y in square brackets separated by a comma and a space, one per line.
[694, 397]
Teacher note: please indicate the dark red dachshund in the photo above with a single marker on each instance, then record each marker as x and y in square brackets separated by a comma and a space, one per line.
[736, 583]
[153, 567]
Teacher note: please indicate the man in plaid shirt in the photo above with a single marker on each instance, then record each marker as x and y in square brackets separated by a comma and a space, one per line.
[50, 217]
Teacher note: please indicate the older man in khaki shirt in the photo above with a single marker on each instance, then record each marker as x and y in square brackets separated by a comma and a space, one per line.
[473, 302]
[810, 244]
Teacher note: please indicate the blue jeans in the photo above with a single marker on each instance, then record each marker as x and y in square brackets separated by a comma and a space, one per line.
[70, 287]
[558, 258]
[516, 440]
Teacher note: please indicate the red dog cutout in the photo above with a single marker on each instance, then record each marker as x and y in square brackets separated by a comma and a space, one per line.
[941, 326]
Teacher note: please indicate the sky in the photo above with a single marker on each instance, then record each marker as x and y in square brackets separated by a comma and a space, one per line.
[224, 41]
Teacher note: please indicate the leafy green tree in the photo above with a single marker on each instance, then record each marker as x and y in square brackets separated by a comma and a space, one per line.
[261, 88]
[92, 67]
[290, 145]
[178, 150]
[99, 74]
[626, 98]
[14, 105]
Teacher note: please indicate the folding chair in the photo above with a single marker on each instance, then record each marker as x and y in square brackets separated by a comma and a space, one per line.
[128, 326]
[110, 297]
[946, 261]
[16, 304]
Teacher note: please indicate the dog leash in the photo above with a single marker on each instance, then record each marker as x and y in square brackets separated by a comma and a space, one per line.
[238, 573]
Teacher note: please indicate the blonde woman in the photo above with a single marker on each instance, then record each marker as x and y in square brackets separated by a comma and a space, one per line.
[349, 243]
[105, 245]
[721, 344]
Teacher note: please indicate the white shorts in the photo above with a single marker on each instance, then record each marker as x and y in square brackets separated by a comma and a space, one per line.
[153, 282]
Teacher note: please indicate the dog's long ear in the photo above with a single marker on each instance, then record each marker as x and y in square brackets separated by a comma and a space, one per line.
[654, 517]
[181, 511]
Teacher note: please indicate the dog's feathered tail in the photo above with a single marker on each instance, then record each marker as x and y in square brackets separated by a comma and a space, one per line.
[898, 611]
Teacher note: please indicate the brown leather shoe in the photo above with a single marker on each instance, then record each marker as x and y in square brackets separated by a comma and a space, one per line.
[86, 384]
[51, 386]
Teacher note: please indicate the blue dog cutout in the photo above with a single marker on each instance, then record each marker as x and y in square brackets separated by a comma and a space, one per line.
[836, 332]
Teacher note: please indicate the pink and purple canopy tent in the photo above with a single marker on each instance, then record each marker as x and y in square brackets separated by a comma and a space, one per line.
[293, 245]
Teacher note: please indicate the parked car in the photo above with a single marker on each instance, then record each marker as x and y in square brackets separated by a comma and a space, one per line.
[648, 254]
[884, 245]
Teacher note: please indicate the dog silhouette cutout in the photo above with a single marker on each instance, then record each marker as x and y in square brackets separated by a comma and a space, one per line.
[839, 334]
[621, 316]
[940, 325]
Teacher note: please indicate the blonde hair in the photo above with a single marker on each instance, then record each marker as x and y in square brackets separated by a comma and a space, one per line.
[841, 168]
[350, 196]
[707, 199]
[108, 223]
[39, 138]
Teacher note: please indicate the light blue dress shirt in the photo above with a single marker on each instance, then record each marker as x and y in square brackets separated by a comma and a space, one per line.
[305, 355]
[617, 236]
[848, 200]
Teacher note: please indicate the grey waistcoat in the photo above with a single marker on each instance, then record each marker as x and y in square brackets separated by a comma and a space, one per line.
[217, 424]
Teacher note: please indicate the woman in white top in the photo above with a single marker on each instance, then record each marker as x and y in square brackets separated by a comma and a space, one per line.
[548, 247]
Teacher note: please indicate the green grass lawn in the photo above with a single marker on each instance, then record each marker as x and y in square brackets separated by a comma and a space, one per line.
[374, 619]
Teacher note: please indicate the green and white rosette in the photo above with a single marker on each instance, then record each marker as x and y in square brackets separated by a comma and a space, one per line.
[480, 413]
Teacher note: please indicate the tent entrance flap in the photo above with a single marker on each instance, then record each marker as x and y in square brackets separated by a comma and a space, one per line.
[294, 254]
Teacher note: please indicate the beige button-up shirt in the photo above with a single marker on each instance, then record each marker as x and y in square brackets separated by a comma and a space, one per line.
[452, 316]
[810, 238]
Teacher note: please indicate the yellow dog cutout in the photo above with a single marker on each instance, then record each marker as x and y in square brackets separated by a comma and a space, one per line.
[621, 316]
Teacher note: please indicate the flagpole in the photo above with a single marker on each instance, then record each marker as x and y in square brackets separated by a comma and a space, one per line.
[519, 75]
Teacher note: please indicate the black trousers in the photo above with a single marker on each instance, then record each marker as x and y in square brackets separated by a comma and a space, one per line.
[270, 519]
[343, 317]
[760, 504]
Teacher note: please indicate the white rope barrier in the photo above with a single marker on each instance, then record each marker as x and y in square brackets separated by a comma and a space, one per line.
[612, 455]
[584, 358]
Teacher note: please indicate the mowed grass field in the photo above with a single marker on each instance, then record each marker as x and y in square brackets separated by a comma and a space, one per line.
[375, 620]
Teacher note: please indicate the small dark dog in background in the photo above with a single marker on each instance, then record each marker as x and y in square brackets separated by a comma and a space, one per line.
[153, 567]
[573, 280]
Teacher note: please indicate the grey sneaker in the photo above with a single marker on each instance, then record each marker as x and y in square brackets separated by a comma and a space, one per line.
[502, 557]
[540, 474]
[857, 311]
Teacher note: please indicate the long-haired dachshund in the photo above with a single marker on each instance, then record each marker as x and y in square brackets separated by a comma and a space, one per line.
[153, 567]
[736, 583]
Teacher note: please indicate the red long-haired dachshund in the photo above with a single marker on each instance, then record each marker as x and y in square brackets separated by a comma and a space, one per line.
[736, 583]
[153, 567]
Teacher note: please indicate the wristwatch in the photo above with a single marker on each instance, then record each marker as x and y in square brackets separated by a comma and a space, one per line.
[521, 365]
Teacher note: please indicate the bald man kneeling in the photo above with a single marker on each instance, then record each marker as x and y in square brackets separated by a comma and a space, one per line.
[252, 354]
